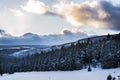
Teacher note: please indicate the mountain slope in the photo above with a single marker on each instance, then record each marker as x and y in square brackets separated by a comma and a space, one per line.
[103, 51]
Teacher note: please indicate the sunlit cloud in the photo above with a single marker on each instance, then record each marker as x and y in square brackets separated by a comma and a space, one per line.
[98, 14]
[17, 12]
[83, 14]
[35, 6]
[88, 13]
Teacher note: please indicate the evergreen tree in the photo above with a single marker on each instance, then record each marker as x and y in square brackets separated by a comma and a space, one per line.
[89, 69]
[109, 77]
[108, 36]
[1, 71]
[114, 78]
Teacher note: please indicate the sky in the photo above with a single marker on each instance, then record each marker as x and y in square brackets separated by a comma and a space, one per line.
[46, 17]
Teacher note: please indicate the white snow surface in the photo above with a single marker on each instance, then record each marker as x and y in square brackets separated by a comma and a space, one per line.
[95, 74]
[20, 53]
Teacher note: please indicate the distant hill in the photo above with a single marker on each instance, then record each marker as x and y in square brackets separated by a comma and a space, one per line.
[100, 51]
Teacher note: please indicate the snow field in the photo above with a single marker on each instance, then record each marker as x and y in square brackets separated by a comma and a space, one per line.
[95, 74]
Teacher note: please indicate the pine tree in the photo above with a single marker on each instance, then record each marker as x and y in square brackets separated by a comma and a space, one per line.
[114, 78]
[89, 69]
[1, 71]
[109, 77]
[108, 36]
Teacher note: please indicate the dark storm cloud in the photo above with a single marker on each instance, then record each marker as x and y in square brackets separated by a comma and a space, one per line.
[114, 14]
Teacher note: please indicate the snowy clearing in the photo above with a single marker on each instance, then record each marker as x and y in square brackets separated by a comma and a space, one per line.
[96, 74]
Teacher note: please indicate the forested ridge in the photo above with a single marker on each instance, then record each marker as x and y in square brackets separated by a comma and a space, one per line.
[103, 51]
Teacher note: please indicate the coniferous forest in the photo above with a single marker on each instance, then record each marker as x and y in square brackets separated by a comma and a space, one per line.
[102, 52]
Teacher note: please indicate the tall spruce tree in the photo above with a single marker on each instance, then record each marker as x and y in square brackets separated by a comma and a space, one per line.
[1, 71]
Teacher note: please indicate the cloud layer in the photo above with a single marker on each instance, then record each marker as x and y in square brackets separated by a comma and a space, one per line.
[100, 14]
[34, 39]
[84, 14]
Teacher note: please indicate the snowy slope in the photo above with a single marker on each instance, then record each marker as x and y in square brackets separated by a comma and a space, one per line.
[23, 53]
[54, 47]
[96, 74]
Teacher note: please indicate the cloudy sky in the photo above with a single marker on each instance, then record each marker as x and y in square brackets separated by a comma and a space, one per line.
[45, 17]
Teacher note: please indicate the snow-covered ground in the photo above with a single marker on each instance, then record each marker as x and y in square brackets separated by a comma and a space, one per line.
[96, 74]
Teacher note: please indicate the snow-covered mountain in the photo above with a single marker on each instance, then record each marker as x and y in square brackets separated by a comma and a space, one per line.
[20, 50]
[96, 51]
[32, 51]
